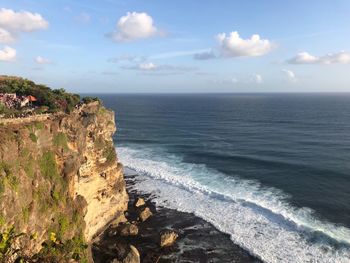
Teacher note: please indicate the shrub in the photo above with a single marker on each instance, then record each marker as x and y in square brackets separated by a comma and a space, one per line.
[63, 223]
[89, 99]
[8, 240]
[55, 100]
[53, 249]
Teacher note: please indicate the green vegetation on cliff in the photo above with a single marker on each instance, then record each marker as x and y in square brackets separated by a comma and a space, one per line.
[53, 249]
[48, 211]
[54, 100]
[35, 187]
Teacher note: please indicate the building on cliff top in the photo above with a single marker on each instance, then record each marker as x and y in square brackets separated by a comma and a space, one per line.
[11, 100]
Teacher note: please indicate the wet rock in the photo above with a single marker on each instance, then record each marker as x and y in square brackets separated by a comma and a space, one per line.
[128, 230]
[168, 238]
[132, 257]
[145, 214]
[139, 202]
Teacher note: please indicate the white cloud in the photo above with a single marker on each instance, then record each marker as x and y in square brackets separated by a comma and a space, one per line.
[303, 58]
[306, 58]
[134, 26]
[7, 54]
[233, 45]
[12, 23]
[151, 67]
[147, 66]
[177, 54]
[290, 75]
[22, 21]
[257, 79]
[41, 60]
[6, 37]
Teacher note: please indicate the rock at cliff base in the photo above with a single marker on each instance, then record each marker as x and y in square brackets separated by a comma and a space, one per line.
[168, 238]
[145, 214]
[128, 230]
[132, 257]
[118, 220]
[139, 202]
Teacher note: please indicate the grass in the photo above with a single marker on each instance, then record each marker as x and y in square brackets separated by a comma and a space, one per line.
[13, 181]
[39, 125]
[33, 137]
[60, 140]
[55, 195]
[48, 166]
[7, 178]
[25, 214]
[29, 166]
[63, 223]
[2, 220]
[2, 187]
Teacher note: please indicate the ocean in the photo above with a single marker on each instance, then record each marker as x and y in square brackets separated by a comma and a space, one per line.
[271, 170]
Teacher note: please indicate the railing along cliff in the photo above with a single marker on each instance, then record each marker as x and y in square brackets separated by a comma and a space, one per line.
[21, 120]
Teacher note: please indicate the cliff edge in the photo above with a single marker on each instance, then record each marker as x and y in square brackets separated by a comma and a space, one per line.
[59, 177]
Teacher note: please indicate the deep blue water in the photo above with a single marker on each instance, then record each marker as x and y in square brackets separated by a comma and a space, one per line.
[284, 158]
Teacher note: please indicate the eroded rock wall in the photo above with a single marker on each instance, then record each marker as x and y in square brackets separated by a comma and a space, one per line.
[60, 175]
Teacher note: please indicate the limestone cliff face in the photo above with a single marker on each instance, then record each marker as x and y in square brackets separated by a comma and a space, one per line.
[60, 174]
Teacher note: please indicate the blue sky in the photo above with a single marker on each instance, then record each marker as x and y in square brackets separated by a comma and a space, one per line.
[178, 46]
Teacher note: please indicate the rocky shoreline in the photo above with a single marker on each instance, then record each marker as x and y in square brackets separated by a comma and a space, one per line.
[198, 240]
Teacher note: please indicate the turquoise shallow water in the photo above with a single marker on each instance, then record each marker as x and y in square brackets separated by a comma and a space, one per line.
[279, 162]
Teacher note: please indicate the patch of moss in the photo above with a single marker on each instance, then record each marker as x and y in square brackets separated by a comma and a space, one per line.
[2, 220]
[13, 181]
[39, 125]
[33, 137]
[25, 152]
[55, 194]
[29, 167]
[7, 177]
[25, 214]
[48, 166]
[102, 110]
[2, 186]
[63, 223]
[60, 140]
[109, 154]
[44, 206]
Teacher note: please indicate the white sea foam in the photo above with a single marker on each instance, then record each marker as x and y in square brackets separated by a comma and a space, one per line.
[258, 219]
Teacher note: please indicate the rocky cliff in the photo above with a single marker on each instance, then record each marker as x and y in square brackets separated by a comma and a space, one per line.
[60, 176]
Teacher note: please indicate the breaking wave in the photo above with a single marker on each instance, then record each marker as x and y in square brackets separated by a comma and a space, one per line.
[259, 219]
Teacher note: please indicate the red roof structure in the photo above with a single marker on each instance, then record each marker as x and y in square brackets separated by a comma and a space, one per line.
[31, 98]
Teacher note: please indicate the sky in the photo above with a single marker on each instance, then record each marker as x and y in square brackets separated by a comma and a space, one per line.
[182, 46]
